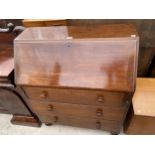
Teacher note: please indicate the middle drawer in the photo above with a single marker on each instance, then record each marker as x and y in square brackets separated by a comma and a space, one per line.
[77, 110]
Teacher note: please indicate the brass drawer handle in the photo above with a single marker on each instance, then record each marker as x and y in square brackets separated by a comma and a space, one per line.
[50, 107]
[98, 124]
[44, 94]
[99, 112]
[100, 99]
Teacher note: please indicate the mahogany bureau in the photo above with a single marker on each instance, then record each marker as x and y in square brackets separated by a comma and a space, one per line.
[76, 75]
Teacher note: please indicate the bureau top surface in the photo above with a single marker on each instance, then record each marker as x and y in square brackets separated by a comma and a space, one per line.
[144, 97]
[94, 57]
[59, 33]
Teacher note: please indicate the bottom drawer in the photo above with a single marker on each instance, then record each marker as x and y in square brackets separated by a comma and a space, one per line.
[112, 126]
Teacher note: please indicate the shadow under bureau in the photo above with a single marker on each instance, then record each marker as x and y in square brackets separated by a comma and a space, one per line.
[77, 75]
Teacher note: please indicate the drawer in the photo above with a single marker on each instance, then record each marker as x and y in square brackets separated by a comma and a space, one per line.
[78, 96]
[106, 125]
[77, 110]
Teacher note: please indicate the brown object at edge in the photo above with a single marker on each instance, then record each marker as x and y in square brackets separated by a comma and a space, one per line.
[141, 117]
[11, 102]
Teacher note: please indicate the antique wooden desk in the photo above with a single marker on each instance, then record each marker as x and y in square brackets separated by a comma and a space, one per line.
[79, 76]
[141, 117]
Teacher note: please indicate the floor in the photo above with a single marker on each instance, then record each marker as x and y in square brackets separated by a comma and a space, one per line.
[6, 128]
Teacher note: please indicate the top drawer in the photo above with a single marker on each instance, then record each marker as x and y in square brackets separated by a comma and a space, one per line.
[91, 97]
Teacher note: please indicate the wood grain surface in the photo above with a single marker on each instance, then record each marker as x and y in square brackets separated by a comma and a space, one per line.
[83, 62]
[78, 96]
[144, 97]
[80, 76]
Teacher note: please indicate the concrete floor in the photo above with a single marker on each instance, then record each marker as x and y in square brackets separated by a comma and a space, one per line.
[6, 128]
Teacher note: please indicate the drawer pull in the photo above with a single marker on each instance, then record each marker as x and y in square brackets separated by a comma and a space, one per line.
[50, 107]
[98, 124]
[55, 119]
[99, 112]
[100, 99]
[44, 94]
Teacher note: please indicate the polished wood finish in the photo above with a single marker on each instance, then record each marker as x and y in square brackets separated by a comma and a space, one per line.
[141, 118]
[78, 96]
[145, 28]
[82, 76]
[25, 120]
[89, 58]
[106, 125]
[62, 33]
[76, 110]
[43, 22]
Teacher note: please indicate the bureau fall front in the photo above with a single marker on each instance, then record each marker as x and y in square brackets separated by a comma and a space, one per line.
[78, 75]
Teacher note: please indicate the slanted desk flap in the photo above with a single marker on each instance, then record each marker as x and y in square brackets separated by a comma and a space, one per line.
[97, 63]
